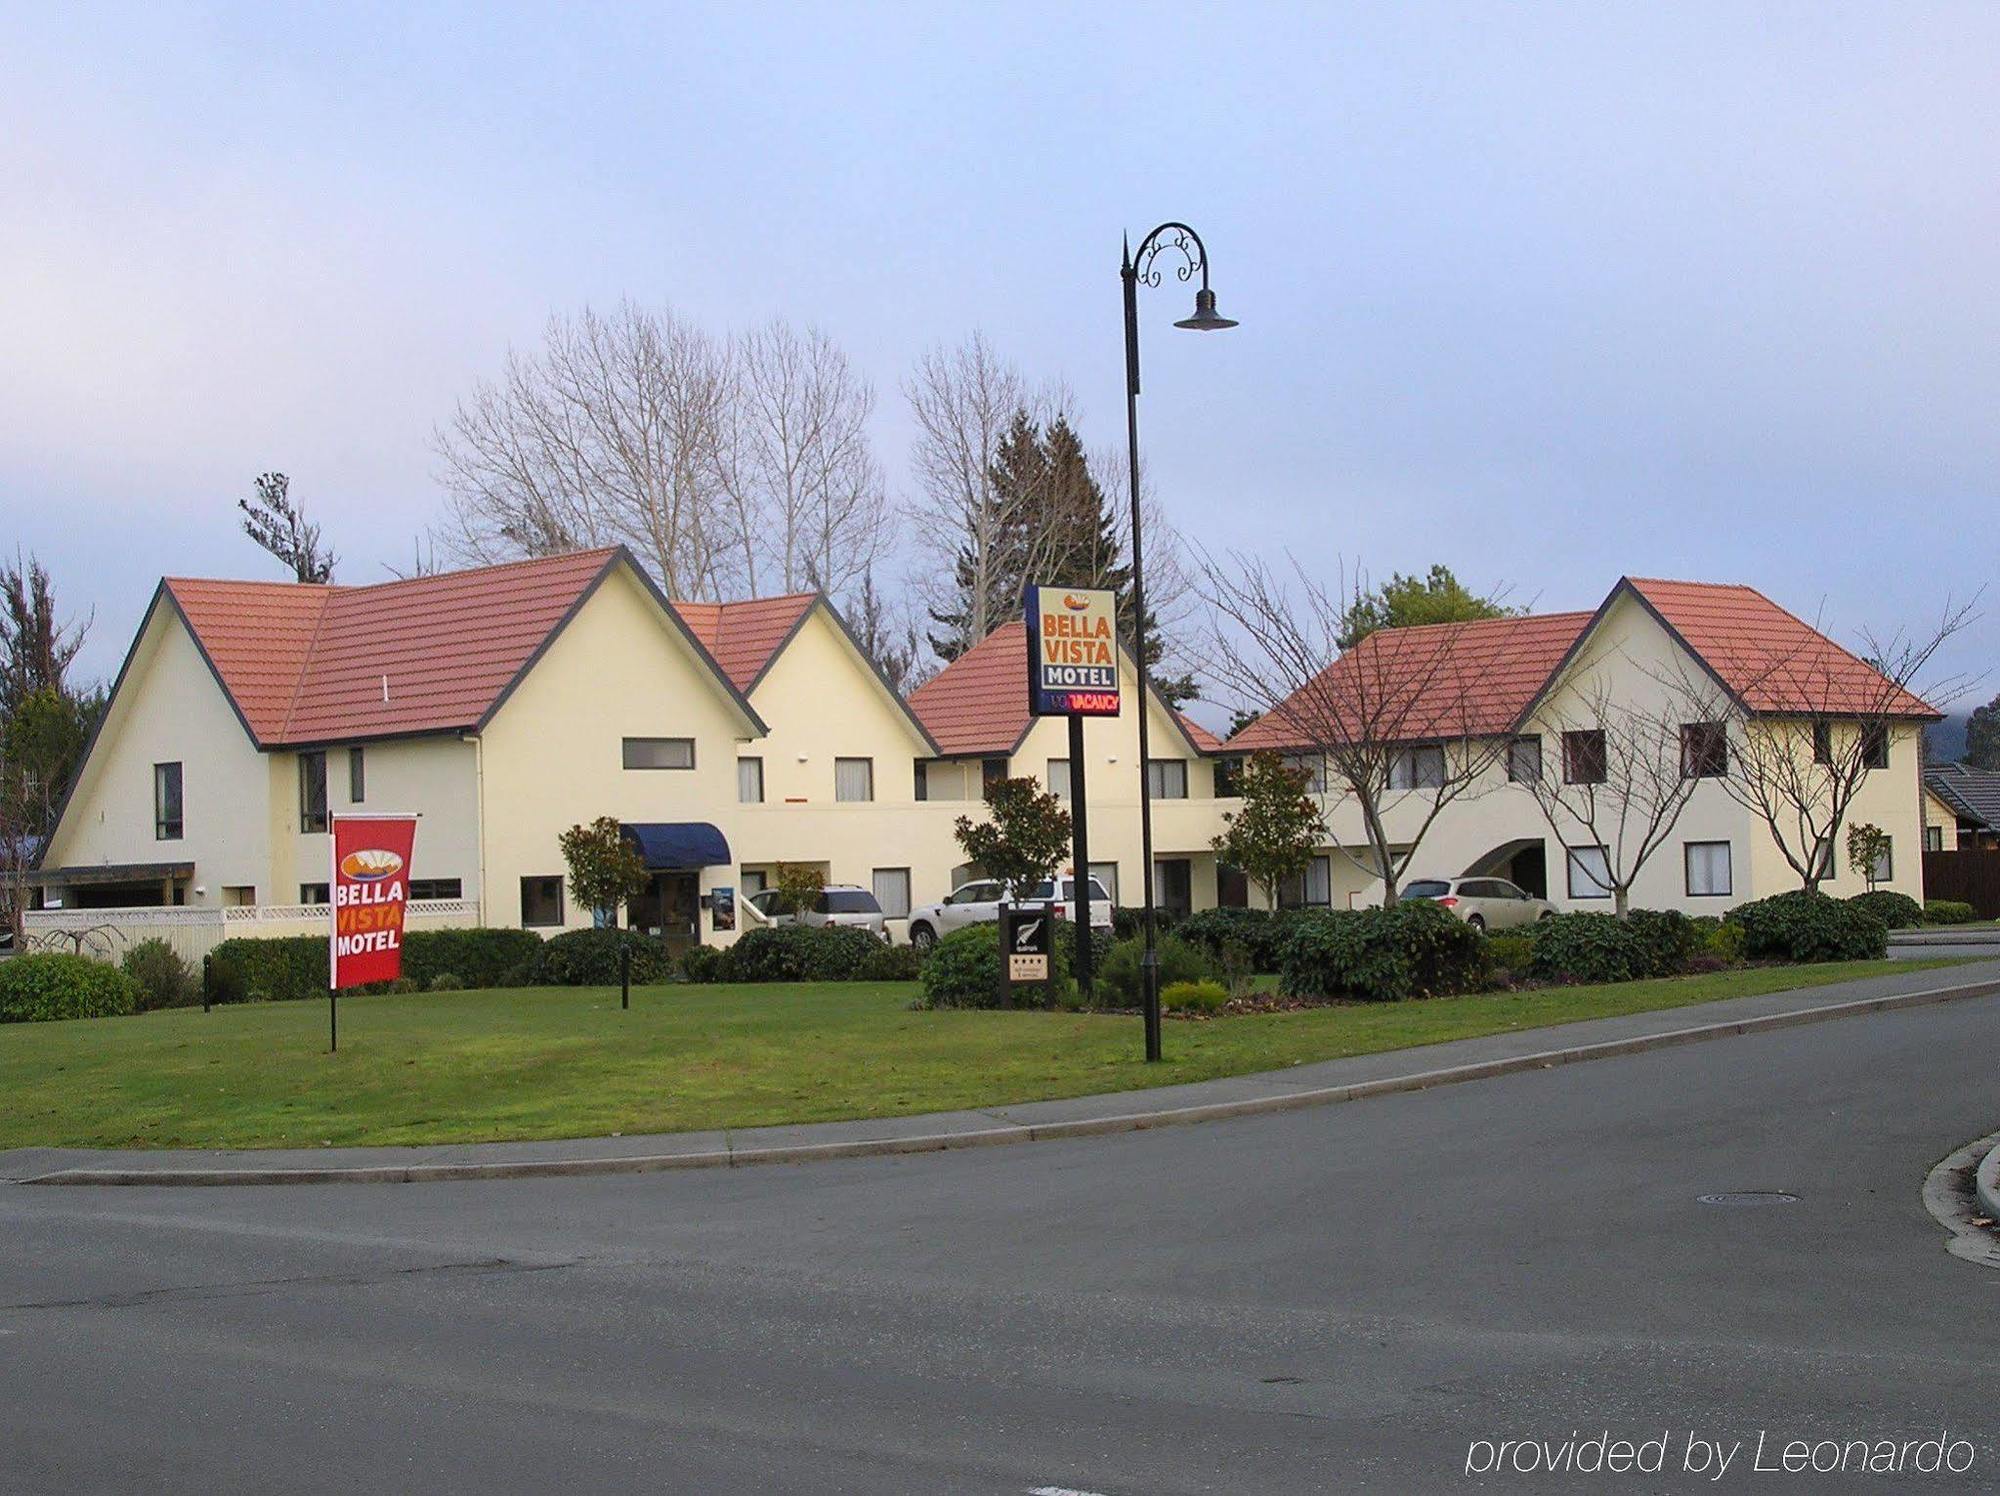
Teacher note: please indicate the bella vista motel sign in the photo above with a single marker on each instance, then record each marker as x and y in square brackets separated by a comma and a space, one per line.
[369, 895]
[1072, 651]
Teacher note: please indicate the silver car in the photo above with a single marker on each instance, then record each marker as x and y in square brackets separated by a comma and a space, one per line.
[837, 904]
[978, 903]
[1483, 903]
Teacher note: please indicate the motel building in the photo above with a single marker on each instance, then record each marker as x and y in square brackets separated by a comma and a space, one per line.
[505, 704]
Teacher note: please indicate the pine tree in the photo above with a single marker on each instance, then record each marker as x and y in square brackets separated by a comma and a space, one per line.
[997, 543]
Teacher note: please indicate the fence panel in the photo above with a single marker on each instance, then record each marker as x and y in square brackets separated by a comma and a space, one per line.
[1970, 875]
[108, 933]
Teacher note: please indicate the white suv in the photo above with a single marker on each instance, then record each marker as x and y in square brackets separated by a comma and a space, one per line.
[978, 903]
[1483, 903]
[837, 904]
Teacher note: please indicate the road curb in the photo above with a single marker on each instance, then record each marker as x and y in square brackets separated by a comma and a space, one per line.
[1140, 1121]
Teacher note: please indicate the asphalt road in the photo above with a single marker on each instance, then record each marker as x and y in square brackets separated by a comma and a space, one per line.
[1333, 1300]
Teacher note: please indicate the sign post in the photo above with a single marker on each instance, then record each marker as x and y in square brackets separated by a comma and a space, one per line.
[1073, 673]
[1027, 940]
[367, 896]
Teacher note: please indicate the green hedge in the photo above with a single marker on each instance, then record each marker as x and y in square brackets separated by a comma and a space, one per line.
[810, 953]
[1121, 974]
[42, 986]
[964, 970]
[1414, 949]
[295, 966]
[1801, 926]
[1510, 953]
[479, 957]
[1259, 932]
[1896, 910]
[246, 970]
[1194, 997]
[1948, 912]
[164, 979]
[590, 958]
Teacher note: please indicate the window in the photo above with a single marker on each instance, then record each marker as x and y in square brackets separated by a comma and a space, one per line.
[1584, 758]
[1166, 778]
[1315, 766]
[1822, 736]
[1310, 889]
[659, 753]
[1708, 871]
[1875, 746]
[1420, 768]
[892, 891]
[1059, 778]
[754, 880]
[854, 779]
[240, 895]
[312, 792]
[1228, 778]
[166, 802]
[1232, 887]
[1524, 760]
[1106, 873]
[750, 781]
[1589, 873]
[541, 902]
[1704, 750]
[1824, 861]
[1173, 884]
[1933, 838]
[923, 779]
[991, 772]
[436, 888]
[1884, 870]
[357, 779]
[312, 893]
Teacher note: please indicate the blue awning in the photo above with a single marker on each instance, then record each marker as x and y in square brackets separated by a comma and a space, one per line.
[666, 845]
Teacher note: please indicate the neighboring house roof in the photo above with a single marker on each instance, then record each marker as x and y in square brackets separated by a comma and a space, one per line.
[1439, 680]
[746, 636]
[306, 664]
[1972, 794]
[1198, 735]
[1482, 678]
[978, 704]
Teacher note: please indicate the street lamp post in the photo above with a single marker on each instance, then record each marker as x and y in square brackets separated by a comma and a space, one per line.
[1144, 266]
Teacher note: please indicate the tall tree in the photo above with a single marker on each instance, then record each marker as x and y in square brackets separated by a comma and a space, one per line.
[886, 635]
[41, 749]
[1982, 736]
[1407, 601]
[278, 523]
[36, 646]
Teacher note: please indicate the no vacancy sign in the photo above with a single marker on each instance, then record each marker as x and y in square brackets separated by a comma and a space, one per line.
[1072, 651]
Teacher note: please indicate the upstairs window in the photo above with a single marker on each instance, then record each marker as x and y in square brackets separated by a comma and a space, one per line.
[1228, 778]
[1059, 778]
[659, 753]
[1419, 768]
[1166, 778]
[1875, 746]
[1704, 750]
[1585, 760]
[854, 779]
[166, 802]
[991, 772]
[750, 781]
[357, 777]
[1822, 736]
[923, 779]
[1524, 760]
[312, 793]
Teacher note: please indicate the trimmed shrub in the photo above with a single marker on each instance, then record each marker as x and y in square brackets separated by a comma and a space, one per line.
[1414, 949]
[1194, 997]
[1896, 910]
[1670, 939]
[45, 986]
[1801, 926]
[246, 970]
[701, 963]
[801, 953]
[444, 981]
[478, 957]
[1510, 953]
[1948, 912]
[1257, 931]
[1604, 948]
[589, 958]
[1121, 974]
[893, 963]
[164, 979]
[1129, 922]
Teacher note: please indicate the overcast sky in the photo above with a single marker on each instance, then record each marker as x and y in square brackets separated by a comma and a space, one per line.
[1550, 294]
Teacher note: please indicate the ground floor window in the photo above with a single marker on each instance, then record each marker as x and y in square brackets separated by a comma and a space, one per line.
[755, 880]
[1708, 871]
[1107, 874]
[1232, 887]
[892, 891]
[1312, 889]
[1589, 873]
[1933, 838]
[437, 888]
[1884, 870]
[1173, 885]
[312, 893]
[541, 902]
[240, 896]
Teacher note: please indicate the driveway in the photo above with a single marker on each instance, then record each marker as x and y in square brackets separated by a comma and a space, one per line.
[1337, 1299]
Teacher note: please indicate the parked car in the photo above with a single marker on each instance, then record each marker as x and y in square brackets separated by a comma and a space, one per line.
[837, 904]
[1483, 903]
[978, 902]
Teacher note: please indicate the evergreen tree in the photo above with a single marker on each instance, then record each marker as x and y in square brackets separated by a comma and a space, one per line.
[1982, 736]
[1407, 602]
[997, 542]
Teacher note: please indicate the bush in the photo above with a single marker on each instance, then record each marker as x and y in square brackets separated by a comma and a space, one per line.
[589, 958]
[1948, 912]
[1121, 975]
[1605, 948]
[164, 980]
[478, 957]
[1257, 931]
[43, 986]
[443, 981]
[1129, 923]
[1413, 949]
[964, 970]
[1194, 997]
[249, 970]
[1669, 938]
[701, 963]
[893, 963]
[801, 953]
[1510, 953]
[1801, 926]
[1898, 911]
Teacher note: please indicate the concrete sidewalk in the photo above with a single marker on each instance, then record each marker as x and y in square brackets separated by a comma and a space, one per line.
[1316, 1084]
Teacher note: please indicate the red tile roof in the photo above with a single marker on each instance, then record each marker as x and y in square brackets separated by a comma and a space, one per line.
[1442, 680]
[305, 664]
[1769, 659]
[743, 636]
[979, 702]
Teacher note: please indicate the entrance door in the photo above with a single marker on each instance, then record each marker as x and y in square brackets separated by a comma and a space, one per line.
[670, 908]
[1173, 884]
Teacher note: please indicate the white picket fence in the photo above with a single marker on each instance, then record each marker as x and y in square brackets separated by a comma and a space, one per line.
[108, 933]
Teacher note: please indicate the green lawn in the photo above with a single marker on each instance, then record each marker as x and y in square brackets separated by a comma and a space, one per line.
[566, 1062]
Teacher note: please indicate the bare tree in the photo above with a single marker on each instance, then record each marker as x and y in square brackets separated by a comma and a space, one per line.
[1807, 722]
[887, 635]
[1621, 774]
[1396, 726]
[612, 432]
[36, 646]
[963, 401]
[278, 523]
[805, 491]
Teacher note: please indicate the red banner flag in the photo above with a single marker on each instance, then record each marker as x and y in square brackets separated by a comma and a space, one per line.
[370, 887]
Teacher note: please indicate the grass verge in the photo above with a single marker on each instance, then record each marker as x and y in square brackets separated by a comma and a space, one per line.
[565, 1062]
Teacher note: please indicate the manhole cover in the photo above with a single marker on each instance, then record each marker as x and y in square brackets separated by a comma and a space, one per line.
[1749, 1197]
